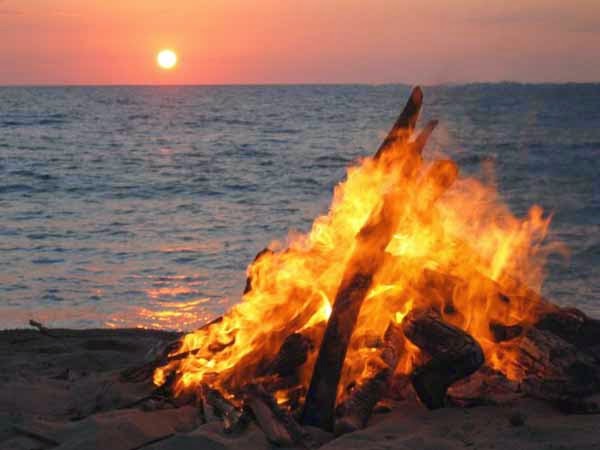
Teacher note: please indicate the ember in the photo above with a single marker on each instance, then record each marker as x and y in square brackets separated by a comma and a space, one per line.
[415, 273]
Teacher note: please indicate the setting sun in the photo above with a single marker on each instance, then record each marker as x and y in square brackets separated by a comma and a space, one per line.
[166, 59]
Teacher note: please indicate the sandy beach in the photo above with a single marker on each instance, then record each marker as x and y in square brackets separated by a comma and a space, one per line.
[63, 391]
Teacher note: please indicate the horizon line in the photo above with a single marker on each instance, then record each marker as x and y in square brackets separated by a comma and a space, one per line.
[428, 85]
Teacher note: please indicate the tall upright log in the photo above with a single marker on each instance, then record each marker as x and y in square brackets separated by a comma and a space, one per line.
[364, 263]
[366, 259]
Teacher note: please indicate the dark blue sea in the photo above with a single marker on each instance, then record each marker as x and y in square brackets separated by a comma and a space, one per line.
[126, 206]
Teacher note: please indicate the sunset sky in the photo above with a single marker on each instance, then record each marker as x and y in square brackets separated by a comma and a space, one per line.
[308, 41]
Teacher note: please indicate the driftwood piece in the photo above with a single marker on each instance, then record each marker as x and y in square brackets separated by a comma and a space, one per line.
[41, 328]
[454, 355]
[280, 428]
[357, 409]
[575, 327]
[234, 419]
[366, 259]
[552, 368]
[484, 387]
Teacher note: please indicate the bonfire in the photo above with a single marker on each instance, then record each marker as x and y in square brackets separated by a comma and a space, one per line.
[416, 282]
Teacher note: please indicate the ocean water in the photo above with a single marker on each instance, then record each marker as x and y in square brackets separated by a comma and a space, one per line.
[127, 206]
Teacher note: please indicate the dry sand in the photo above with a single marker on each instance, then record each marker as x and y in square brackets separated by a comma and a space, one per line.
[62, 391]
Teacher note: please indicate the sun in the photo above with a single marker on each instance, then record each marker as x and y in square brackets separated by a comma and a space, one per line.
[166, 59]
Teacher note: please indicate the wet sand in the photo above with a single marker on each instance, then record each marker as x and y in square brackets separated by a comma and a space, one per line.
[63, 391]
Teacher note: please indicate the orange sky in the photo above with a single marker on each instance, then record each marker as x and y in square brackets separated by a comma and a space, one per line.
[307, 41]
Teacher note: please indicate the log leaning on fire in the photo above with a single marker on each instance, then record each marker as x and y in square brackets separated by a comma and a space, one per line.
[366, 259]
[454, 355]
[357, 409]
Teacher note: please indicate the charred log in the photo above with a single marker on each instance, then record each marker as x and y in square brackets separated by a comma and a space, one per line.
[484, 387]
[552, 368]
[234, 419]
[280, 428]
[575, 327]
[367, 258]
[357, 409]
[454, 355]
[320, 399]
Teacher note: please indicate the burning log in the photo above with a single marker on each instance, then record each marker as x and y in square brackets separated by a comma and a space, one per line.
[484, 387]
[280, 428]
[367, 257]
[552, 368]
[454, 355]
[234, 419]
[357, 410]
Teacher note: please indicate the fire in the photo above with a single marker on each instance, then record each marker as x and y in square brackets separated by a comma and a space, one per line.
[458, 250]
